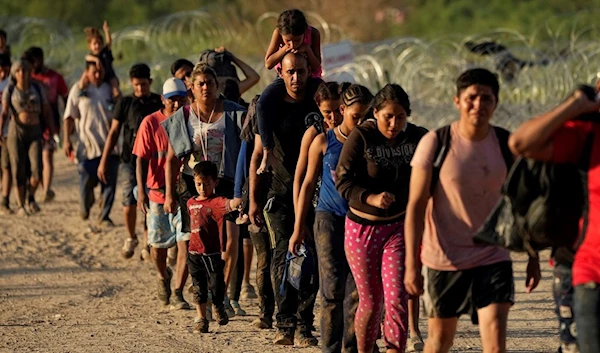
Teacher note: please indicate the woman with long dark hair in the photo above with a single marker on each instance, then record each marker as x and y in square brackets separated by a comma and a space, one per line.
[373, 175]
[206, 130]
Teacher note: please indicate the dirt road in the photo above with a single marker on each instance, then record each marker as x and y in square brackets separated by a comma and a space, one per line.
[65, 288]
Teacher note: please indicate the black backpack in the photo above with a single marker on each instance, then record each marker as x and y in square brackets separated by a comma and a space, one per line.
[541, 207]
[220, 62]
[443, 147]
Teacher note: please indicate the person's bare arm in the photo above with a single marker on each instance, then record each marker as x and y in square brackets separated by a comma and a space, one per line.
[4, 116]
[533, 138]
[420, 181]
[141, 174]
[275, 53]
[257, 155]
[170, 180]
[252, 76]
[68, 129]
[315, 166]
[107, 34]
[109, 146]
[313, 52]
[234, 203]
[47, 117]
[302, 164]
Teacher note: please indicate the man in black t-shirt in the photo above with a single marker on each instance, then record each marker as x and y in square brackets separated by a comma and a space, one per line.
[295, 316]
[129, 113]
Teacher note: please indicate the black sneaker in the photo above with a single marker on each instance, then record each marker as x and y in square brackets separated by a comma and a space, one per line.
[305, 338]
[164, 288]
[50, 195]
[200, 326]
[284, 337]
[221, 315]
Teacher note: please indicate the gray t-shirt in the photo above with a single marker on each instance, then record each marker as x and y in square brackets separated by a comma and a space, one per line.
[93, 118]
[31, 101]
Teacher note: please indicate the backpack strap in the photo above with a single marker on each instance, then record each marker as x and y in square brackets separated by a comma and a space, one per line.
[186, 112]
[502, 136]
[11, 89]
[443, 146]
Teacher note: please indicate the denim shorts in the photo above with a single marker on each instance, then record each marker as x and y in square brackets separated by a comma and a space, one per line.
[164, 229]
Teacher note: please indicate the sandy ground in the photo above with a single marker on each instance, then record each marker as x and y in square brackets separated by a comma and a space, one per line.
[65, 288]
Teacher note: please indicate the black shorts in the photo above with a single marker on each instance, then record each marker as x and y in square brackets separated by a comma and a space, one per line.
[244, 233]
[450, 294]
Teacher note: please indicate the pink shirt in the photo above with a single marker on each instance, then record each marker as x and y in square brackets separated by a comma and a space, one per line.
[469, 187]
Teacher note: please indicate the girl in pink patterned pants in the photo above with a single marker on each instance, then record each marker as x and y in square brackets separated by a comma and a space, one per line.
[373, 174]
[375, 253]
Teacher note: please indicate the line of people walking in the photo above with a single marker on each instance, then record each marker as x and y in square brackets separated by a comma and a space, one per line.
[338, 192]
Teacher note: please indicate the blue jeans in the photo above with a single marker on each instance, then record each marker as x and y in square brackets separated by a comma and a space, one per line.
[563, 298]
[587, 311]
[88, 180]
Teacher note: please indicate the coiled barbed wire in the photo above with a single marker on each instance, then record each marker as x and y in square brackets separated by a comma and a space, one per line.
[567, 54]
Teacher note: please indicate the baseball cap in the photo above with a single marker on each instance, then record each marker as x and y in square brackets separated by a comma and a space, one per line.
[174, 87]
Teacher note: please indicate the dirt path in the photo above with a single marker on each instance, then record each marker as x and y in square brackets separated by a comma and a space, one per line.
[65, 288]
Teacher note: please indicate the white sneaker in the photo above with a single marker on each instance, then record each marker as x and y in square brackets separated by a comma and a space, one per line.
[129, 247]
[237, 308]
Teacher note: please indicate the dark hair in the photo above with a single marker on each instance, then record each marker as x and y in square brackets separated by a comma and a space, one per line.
[33, 53]
[5, 60]
[231, 90]
[88, 64]
[292, 22]
[3, 33]
[391, 93]
[141, 71]
[203, 69]
[477, 76]
[206, 169]
[179, 63]
[329, 91]
[93, 33]
[356, 94]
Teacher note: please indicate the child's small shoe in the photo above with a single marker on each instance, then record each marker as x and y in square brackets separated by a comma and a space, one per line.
[222, 317]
